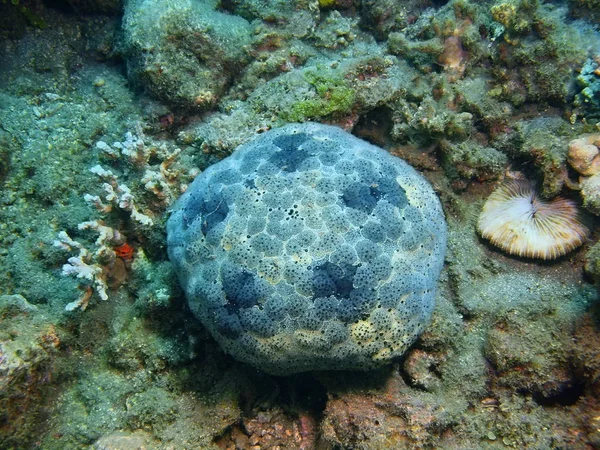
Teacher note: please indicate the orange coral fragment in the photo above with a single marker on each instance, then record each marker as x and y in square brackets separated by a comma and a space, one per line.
[125, 251]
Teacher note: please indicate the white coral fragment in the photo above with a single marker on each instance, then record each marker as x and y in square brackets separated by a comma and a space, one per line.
[81, 267]
[106, 234]
[140, 217]
[116, 194]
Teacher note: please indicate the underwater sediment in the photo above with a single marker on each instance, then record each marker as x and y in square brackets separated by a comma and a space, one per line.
[109, 110]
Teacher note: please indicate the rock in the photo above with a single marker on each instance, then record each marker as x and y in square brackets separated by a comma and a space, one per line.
[121, 440]
[584, 155]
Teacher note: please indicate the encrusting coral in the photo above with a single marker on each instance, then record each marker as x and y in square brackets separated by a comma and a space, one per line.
[309, 249]
[584, 154]
[515, 219]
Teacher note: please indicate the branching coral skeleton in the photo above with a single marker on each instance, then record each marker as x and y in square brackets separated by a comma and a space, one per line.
[87, 265]
[133, 147]
[159, 180]
[116, 195]
[164, 183]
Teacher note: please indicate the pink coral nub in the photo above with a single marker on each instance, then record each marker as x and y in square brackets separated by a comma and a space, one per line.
[515, 219]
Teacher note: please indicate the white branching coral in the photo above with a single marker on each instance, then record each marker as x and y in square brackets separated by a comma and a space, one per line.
[133, 147]
[78, 267]
[142, 152]
[88, 265]
[147, 161]
[116, 194]
[108, 237]
[138, 149]
[83, 267]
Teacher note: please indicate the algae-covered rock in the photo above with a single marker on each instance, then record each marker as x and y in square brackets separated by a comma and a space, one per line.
[29, 344]
[184, 52]
[428, 121]
[293, 19]
[544, 143]
[586, 361]
[7, 146]
[385, 16]
[529, 358]
[590, 192]
[383, 412]
[472, 160]
[592, 262]
[331, 93]
[476, 97]
[588, 9]
[539, 50]
[135, 376]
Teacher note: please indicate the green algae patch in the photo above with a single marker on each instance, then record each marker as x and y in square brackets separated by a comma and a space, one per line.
[332, 96]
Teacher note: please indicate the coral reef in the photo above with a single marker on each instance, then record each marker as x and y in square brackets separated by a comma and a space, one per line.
[588, 99]
[584, 157]
[150, 94]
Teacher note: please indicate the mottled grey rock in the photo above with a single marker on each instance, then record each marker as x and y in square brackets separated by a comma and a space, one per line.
[184, 52]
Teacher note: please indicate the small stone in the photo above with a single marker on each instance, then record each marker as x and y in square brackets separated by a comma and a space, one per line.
[120, 440]
[584, 155]
[590, 192]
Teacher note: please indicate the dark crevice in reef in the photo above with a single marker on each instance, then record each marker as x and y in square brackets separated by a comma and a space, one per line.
[375, 126]
[277, 407]
[295, 394]
[566, 397]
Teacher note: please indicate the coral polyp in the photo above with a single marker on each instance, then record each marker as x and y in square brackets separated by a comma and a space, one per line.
[515, 219]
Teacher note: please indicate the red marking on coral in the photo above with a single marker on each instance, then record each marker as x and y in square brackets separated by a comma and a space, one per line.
[125, 251]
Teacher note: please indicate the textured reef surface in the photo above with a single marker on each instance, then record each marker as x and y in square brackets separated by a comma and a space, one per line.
[309, 249]
[109, 110]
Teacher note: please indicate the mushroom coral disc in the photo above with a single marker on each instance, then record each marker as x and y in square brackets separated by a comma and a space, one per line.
[515, 219]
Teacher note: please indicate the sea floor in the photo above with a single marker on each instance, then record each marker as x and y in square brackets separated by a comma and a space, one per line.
[98, 348]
